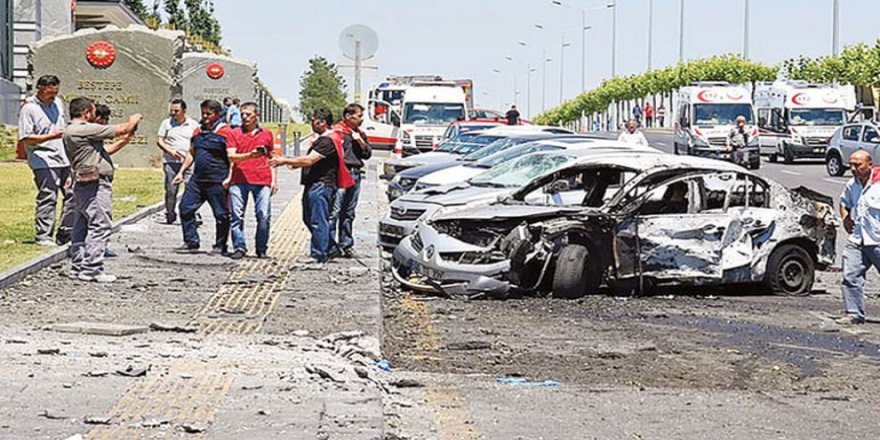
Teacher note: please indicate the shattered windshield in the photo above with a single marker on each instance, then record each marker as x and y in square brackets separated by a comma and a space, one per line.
[516, 173]
[520, 150]
[475, 144]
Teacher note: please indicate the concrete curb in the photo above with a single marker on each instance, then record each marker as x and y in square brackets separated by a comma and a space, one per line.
[41, 262]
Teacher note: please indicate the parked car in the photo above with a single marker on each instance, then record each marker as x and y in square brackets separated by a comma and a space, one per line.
[406, 180]
[444, 153]
[459, 127]
[626, 221]
[411, 209]
[848, 139]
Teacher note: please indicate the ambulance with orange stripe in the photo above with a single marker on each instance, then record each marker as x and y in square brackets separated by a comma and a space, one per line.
[797, 118]
[705, 112]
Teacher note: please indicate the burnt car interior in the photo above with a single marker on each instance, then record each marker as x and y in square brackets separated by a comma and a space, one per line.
[694, 193]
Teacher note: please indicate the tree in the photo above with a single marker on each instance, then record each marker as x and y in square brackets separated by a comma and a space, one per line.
[176, 16]
[201, 20]
[138, 7]
[321, 86]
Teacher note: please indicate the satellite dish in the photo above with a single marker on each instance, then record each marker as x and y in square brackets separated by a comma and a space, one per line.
[358, 42]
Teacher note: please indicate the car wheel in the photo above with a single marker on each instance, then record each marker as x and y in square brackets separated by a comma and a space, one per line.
[772, 157]
[574, 276]
[788, 155]
[790, 271]
[834, 164]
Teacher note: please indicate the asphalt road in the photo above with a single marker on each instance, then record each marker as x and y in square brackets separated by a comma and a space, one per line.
[806, 172]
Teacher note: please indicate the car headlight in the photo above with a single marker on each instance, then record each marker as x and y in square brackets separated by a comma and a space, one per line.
[701, 142]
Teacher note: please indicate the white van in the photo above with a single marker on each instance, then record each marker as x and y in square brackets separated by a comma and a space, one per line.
[797, 119]
[704, 114]
[426, 111]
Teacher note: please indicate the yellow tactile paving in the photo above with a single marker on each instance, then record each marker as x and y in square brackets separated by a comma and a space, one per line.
[242, 308]
[192, 392]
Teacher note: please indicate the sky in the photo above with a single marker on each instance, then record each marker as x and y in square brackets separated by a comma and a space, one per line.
[473, 38]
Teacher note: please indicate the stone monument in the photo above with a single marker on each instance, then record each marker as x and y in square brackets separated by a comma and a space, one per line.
[212, 76]
[132, 70]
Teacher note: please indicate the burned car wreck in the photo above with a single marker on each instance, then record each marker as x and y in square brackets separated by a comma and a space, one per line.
[627, 222]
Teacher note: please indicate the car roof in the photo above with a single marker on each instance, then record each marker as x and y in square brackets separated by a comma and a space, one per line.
[524, 129]
[567, 143]
[643, 161]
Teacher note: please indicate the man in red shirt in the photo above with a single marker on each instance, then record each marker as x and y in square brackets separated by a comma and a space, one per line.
[251, 174]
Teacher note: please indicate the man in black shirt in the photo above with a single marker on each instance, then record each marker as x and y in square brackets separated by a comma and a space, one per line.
[512, 116]
[319, 179]
[356, 150]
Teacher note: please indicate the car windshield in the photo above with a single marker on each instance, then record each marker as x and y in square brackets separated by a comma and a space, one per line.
[516, 173]
[513, 153]
[475, 143]
[474, 127]
[721, 114]
[456, 142]
[432, 113]
[817, 116]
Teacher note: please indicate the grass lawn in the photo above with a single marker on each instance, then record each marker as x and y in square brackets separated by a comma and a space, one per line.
[132, 190]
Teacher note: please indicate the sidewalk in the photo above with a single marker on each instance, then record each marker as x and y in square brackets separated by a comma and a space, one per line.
[257, 348]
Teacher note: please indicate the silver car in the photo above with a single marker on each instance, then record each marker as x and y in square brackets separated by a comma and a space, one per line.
[471, 190]
[627, 222]
[848, 139]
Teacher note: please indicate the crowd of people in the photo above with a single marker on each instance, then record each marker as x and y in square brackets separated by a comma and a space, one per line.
[225, 159]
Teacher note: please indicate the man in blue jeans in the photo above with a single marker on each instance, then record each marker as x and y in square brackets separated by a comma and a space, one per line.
[210, 147]
[860, 211]
[356, 150]
[251, 175]
[323, 171]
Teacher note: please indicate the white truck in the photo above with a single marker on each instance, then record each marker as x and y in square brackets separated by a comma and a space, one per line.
[797, 119]
[705, 112]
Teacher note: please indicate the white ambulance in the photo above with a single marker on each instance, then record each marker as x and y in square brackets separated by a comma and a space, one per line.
[797, 119]
[705, 112]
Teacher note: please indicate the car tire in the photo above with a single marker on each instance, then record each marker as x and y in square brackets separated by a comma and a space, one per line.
[787, 155]
[791, 271]
[575, 275]
[772, 157]
[834, 164]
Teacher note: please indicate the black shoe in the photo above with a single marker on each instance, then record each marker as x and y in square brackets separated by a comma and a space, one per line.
[219, 251]
[348, 253]
[187, 249]
[170, 220]
[262, 255]
[238, 254]
[335, 253]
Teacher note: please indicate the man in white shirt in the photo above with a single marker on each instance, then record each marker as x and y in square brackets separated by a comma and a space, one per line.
[40, 127]
[174, 138]
[860, 211]
[632, 135]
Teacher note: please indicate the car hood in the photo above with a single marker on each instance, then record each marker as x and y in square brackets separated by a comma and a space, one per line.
[455, 194]
[452, 174]
[429, 168]
[503, 211]
[432, 156]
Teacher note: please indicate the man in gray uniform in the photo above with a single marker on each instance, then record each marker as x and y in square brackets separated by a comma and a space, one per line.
[40, 127]
[92, 171]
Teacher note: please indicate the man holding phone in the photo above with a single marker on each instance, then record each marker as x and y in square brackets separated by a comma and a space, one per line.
[251, 175]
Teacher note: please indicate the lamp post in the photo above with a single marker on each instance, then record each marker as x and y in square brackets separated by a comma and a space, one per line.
[681, 32]
[584, 29]
[746, 30]
[544, 61]
[651, 31]
[613, 6]
[835, 28]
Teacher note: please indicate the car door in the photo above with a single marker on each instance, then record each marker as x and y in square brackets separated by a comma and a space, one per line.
[677, 232]
[849, 140]
[381, 124]
[870, 141]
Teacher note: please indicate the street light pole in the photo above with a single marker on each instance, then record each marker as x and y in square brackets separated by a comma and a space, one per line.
[681, 32]
[746, 31]
[613, 6]
[528, 90]
[835, 29]
[561, 68]
[544, 80]
[651, 31]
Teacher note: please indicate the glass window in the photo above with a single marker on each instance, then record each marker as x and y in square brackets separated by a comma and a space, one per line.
[817, 116]
[870, 135]
[721, 114]
[516, 173]
[513, 153]
[431, 113]
[851, 133]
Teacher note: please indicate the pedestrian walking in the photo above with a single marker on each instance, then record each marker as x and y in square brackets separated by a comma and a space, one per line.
[233, 112]
[356, 149]
[632, 135]
[661, 115]
[859, 205]
[40, 128]
[513, 116]
[637, 113]
[649, 115]
[252, 175]
[323, 172]
[92, 175]
[737, 141]
[173, 139]
[209, 152]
